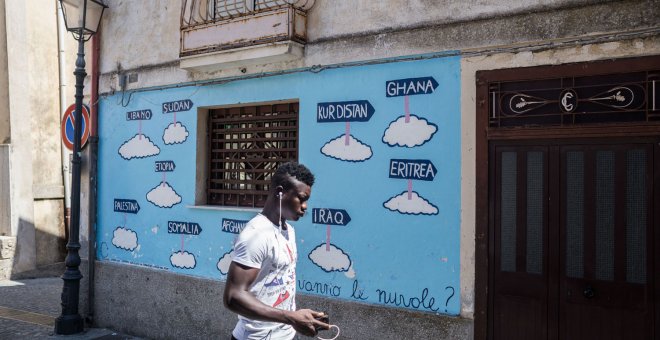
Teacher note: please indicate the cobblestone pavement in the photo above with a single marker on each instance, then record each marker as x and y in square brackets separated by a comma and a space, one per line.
[12, 329]
[28, 309]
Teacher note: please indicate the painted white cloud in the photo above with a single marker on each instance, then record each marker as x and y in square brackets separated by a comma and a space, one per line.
[355, 151]
[163, 196]
[414, 133]
[330, 260]
[125, 239]
[183, 259]
[139, 146]
[224, 262]
[416, 205]
[175, 133]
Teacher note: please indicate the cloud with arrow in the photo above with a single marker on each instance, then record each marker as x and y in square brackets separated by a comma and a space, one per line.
[183, 259]
[163, 196]
[416, 205]
[417, 131]
[355, 151]
[140, 146]
[175, 133]
[332, 260]
[124, 238]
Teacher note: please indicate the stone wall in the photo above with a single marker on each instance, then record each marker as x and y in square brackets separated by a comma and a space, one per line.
[7, 249]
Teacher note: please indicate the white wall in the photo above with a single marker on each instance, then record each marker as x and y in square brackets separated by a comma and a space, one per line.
[4, 91]
[331, 18]
[36, 177]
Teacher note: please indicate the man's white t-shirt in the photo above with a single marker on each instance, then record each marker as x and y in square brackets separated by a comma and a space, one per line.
[261, 245]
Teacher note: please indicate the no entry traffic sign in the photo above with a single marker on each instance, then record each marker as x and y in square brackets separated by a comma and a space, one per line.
[68, 121]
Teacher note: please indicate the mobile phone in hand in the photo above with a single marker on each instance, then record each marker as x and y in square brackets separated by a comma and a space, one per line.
[325, 318]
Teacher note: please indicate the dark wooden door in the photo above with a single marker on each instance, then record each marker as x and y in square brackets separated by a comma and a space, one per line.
[572, 240]
[520, 267]
[606, 228]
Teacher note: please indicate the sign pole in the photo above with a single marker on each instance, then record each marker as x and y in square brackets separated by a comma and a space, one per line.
[70, 321]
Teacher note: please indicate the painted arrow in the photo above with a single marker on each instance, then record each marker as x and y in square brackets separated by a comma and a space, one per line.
[329, 216]
[349, 111]
[165, 166]
[126, 206]
[186, 228]
[177, 106]
[410, 86]
[417, 169]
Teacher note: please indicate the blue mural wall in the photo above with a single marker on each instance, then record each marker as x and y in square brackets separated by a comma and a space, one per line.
[383, 221]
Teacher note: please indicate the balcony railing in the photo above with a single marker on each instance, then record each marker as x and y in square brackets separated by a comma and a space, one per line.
[201, 12]
[223, 33]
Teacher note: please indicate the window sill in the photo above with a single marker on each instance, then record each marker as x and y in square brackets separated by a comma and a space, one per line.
[224, 208]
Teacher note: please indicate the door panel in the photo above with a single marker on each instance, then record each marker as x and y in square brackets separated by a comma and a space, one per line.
[605, 199]
[520, 274]
[572, 241]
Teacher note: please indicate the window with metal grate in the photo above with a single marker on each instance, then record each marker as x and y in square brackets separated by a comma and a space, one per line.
[246, 145]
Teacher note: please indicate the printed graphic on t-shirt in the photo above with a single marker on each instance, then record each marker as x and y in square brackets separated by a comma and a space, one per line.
[285, 295]
[281, 287]
[276, 282]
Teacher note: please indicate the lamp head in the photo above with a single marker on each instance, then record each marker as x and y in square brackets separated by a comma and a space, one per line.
[82, 17]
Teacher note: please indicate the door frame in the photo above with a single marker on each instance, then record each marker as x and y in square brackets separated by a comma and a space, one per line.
[483, 188]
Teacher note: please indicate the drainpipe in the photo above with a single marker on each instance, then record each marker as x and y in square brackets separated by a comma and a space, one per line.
[93, 171]
[61, 32]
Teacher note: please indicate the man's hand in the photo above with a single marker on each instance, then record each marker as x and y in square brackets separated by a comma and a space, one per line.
[238, 299]
[305, 321]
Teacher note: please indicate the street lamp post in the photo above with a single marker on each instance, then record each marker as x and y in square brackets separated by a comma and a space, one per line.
[82, 18]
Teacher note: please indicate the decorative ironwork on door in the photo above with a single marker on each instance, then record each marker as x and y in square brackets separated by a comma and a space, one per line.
[569, 101]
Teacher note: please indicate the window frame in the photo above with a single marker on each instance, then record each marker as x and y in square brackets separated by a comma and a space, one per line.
[207, 180]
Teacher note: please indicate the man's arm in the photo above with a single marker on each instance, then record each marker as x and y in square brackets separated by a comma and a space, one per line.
[238, 299]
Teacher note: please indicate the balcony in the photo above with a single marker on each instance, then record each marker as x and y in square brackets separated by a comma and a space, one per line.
[220, 34]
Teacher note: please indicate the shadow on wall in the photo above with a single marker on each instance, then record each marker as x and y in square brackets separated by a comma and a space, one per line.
[47, 249]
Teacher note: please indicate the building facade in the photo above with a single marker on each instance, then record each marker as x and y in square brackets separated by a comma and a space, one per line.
[33, 164]
[469, 159]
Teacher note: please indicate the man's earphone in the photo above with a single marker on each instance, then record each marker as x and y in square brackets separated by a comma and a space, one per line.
[324, 318]
[280, 190]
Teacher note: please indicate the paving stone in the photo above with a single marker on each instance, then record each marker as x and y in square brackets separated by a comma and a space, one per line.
[41, 296]
[28, 309]
[12, 329]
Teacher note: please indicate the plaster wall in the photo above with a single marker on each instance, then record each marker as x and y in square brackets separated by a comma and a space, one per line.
[328, 19]
[47, 163]
[5, 203]
[36, 178]
[21, 153]
[374, 30]
[50, 236]
[4, 93]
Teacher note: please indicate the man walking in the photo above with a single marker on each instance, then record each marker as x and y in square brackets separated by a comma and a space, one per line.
[261, 282]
